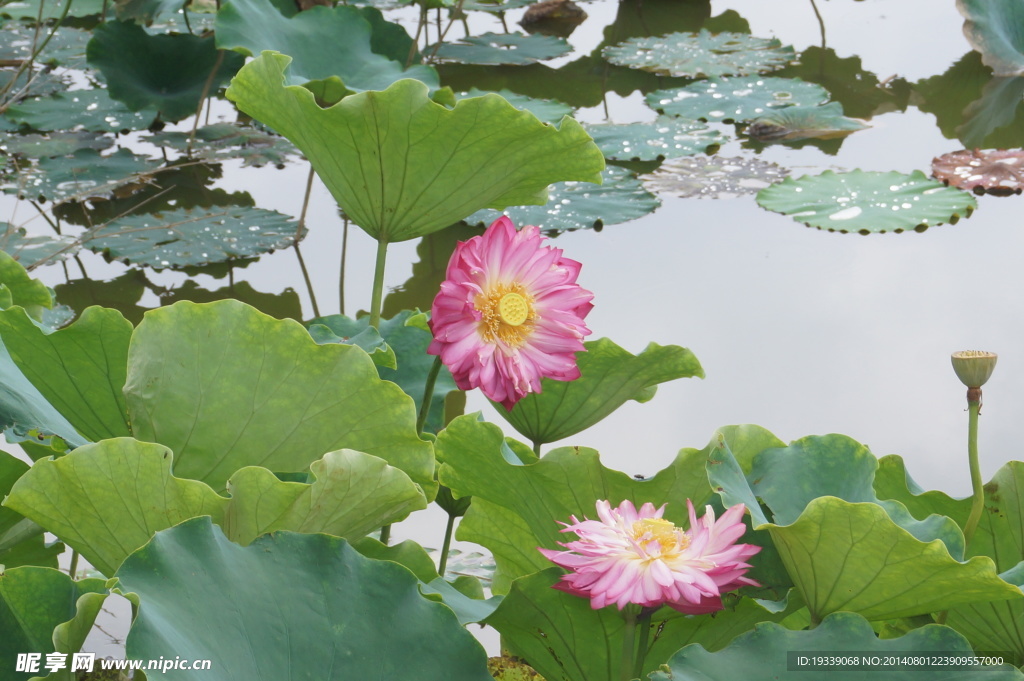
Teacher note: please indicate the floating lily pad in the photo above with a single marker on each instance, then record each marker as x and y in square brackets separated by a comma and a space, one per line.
[582, 205]
[995, 28]
[182, 238]
[56, 143]
[29, 9]
[711, 177]
[867, 202]
[994, 171]
[701, 55]
[736, 99]
[82, 175]
[66, 47]
[31, 251]
[80, 110]
[229, 140]
[503, 48]
[547, 110]
[664, 138]
[802, 122]
[167, 73]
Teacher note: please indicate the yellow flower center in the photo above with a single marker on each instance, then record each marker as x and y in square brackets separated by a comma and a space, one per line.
[507, 314]
[671, 540]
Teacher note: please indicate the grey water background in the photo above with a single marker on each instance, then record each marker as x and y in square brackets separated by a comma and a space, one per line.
[800, 331]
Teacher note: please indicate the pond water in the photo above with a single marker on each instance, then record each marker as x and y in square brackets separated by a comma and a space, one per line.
[799, 330]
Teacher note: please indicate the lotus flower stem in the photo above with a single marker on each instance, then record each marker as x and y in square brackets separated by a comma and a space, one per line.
[73, 567]
[644, 622]
[385, 534]
[378, 283]
[442, 564]
[428, 394]
[628, 642]
[978, 499]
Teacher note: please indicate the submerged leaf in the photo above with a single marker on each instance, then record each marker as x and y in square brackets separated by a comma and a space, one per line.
[711, 177]
[867, 202]
[736, 99]
[503, 48]
[994, 171]
[701, 55]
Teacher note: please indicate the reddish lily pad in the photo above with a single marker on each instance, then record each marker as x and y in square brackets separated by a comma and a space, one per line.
[995, 171]
[701, 55]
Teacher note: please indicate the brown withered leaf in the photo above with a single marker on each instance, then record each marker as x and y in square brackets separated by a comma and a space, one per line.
[994, 171]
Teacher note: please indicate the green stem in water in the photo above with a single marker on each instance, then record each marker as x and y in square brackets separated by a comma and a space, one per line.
[628, 643]
[978, 500]
[644, 622]
[428, 394]
[73, 568]
[442, 565]
[378, 283]
[385, 534]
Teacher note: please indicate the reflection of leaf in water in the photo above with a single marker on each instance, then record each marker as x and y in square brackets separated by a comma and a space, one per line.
[997, 108]
[994, 171]
[995, 28]
[699, 55]
[434, 251]
[122, 293]
[712, 177]
[284, 305]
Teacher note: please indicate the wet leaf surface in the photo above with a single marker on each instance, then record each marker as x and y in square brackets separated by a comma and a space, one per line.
[994, 171]
[712, 177]
[667, 137]
[82, 175]
[55, 144]
[31, 251]
[701, 55]
[222, 141]
[503, 48]
[547, 110]
[736, 99]
[92, 110]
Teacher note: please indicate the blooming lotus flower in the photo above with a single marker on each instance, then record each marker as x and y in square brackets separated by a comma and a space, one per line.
[509, 313]
[631, 556]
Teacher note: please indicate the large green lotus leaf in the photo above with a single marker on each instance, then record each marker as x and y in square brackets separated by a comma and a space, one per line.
[994, 117]
[503, 48]
[18, 288]
[228, 140]
[168, 73]
[225, 386]
[548, 110]
[996, 625]
[289, 606]
[667, 137]
[867, 202]
[736, 99]
[562, 637]
[351, 494]
[401, 166]
[324, 43]
[845, 549]
[995, 28]
[578, 205]
[368, 338]
[190, 237]
[701, 55]
[33, 602]
[84, 174]
[409, 344]
[803, 122]
[765, 655]
[713, 177]
[33, 251]
[21, 540]
[609, 376]
[92, 110]
[567, 481]
[79, 369]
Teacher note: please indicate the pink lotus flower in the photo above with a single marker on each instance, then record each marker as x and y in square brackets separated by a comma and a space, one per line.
[509, 313]
[638, 557]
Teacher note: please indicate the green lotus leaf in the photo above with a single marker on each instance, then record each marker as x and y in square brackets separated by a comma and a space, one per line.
[995, 115]
[368, 338]
[65, 48]
[764, 655]
[408, 554]
[21, 540]
[712, 177]
[23, 410]
[84, 174]
[169, 73]
[843, 547]
[577, 205]
[33, 251]
[701, 55]
[224, 386]
[146, 11]
[409, 345]
[289, 606]
[79, 369]
[609, 376]
[995, 625]
[503, 48]
[326, 44]
[532, 498]
[42, 610]
[562, 637]
[548, 110]
[867, 202]
[229, 140]
[736, 99]
[18, 288]
[995, 28]
[420, 167]
[190, 237]
[667, 137]
[91, 110]
[803, 122]
[29, 9]
[56, 144]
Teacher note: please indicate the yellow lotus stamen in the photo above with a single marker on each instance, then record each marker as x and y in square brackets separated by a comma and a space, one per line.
[513, 309]
[507, 314]
[669, 537]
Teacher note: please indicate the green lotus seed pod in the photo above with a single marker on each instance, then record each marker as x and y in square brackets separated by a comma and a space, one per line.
[973, 367]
